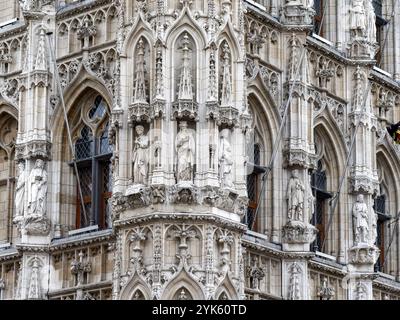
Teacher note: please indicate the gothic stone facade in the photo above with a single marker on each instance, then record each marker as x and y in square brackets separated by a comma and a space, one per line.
[135, 135]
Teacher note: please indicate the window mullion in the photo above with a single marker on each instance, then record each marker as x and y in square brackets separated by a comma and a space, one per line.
[95, 187]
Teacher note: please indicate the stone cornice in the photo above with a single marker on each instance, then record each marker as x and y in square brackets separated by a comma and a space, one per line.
[81, 7]
[328, 94]
[262, 16]
[98, 285]
[79, 54]
[384, 81]
[13, 31]
[82, 240]
[176, 218]
[263, 62]
[262, 294]
[33, 248]
[9, 254]
[265, 249]
[386, 284]
[334, 54]
[331, 267]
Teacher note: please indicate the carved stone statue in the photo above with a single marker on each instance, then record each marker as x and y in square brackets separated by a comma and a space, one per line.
[360, 221]
[357, 18]
[310, 198]
[310, 4]
[225, 159]
[295, 197]
[38, 189]
[370, 21]
[185, 149]
[374, 229]
[140, 157]
[20, 191]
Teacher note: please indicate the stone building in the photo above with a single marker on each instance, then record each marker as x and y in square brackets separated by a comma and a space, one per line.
[136, 140]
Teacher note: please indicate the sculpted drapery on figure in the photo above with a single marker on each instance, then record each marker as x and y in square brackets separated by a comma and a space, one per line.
[38, 189]
[295, 197]
[140, 156]
[360, 221]
[185, 149]
[20, 191]
[225, 159]
[357, 17]
[370, 21]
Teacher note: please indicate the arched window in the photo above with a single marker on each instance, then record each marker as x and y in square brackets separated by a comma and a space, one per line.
[319, 12]
[380, 23]
[320, 212]
[8, 133]
[92, 155]
[253, 186]
[386, 206]
[380, 211]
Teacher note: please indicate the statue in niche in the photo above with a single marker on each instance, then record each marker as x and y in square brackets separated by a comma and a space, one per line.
[20, 191]
[140, 156]
[38, 189]
[225, 159]
[310, 4]
[310, 197]
[370, 21]
[374, 229]
[295, 196]
[357, 18]
[185, 149]
[360, 221]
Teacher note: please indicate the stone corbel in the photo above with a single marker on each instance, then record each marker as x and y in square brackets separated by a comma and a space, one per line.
[36, 225]
[363, 254]
[33, 149]
[299, 158]
[364, 184]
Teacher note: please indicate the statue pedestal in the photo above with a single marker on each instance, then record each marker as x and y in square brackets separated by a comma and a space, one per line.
[297, 236]
[363, 256]
[295, 12]
[36, 225]
[361, 48]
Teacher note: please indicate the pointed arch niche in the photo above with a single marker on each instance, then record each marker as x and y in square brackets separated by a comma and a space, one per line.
[88, 117]
[324, 183]
[386, 207]
[259, 148]
[141, 72]
[8, 135]
[185, 67]
[183, 287]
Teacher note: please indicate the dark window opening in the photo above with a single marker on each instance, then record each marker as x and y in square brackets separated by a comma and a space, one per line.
[319, 12]
[319, 215]
[253, 182]
[380, 30]
[93, 154]
[380, 210]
